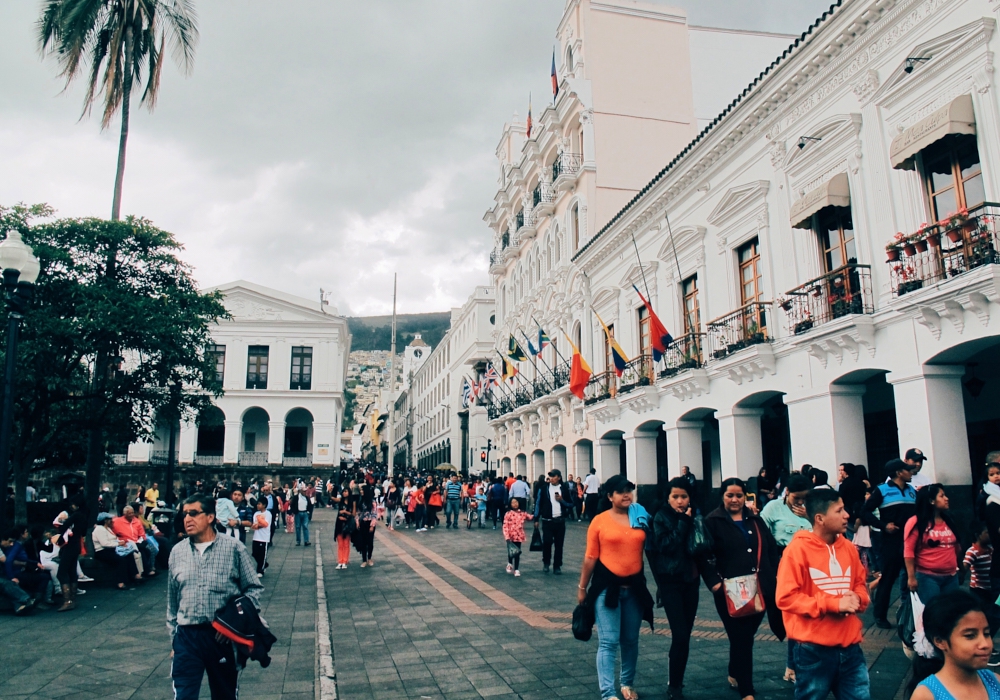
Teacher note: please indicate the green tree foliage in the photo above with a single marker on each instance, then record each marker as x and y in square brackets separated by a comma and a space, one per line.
[111, 289]
[125, 39]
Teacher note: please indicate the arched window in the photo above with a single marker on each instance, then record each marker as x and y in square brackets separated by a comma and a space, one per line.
[569, 59]
[577, 334]
[574, 225]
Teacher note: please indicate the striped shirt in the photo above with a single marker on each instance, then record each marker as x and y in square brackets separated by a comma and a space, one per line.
[453, 490]
[979, 562]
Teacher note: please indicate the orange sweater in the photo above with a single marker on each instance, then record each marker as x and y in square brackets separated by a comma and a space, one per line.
[618, 547]
[812, 578]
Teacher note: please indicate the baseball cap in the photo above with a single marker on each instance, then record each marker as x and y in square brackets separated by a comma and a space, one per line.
[915, 455]
[101, 517]
[555, 472]
[893, 466]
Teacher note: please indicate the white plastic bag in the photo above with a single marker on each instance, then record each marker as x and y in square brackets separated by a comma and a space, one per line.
[921, 644]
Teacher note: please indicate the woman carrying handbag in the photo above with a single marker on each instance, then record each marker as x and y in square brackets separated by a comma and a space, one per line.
[345, 527]
[741, 572]
[679, 539]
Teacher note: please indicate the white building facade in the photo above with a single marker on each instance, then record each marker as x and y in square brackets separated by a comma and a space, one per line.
[763, 248]
[282, 361]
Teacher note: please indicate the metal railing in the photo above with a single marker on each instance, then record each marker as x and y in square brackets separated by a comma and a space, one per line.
[208, 460]
[542, 194]
[602, 386]
[159, 457]
[504, 240]
[500, 401]
[119, 459]
[686, 352]
[746, 326]
[496, 258]
[951, 247]
[566, 164]
[639, 371]
[253, 459]
[519, 220]
[297, 460]
[847, 290]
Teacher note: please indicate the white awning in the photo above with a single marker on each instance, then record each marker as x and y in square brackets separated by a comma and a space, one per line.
[956, 117]
[835, 192]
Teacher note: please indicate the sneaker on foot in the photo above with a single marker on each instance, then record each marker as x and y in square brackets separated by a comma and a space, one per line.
[510, 567]
[84, 579]
[557, 570]
[517, 573]
[545, 568]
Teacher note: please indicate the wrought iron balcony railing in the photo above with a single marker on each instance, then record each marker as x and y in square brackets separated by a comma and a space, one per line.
[208, 460]
[253, 459]
[566, 164]
[846, 290]
[746, 326]
[519, 220]
[542, 194]
[496, 258]
[686, 352]
[297, 460]
[639, 371]
[159, 457]
[952, 246]
[504, 241]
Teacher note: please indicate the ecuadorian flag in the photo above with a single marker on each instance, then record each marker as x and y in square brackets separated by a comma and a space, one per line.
[617, 354]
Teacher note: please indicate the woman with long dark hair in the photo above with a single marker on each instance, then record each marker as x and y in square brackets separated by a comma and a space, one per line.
[931, 549]
[346, 512]
[676, 574]
[742, 546]
[367, 522]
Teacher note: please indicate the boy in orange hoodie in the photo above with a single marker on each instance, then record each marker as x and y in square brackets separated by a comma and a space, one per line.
[821, 591]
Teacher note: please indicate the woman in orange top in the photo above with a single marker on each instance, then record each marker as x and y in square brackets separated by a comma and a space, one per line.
[618, 597]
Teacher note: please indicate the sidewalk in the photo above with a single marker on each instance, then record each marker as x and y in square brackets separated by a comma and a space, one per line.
[116, 645]
[438, 617]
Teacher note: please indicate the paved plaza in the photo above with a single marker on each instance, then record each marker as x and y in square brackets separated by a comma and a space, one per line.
[436, 618]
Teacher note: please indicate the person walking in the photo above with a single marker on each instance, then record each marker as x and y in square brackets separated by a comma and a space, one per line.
[675, 571]
[896, 503]
[591, 494]
[261, 536]
[71, 533]
[521, 491]
[346, 513]
[206, 571]
[742, 547]
[550, 512]
[367, 524]
[497, 500]
[785, 517]
[392, 504]
[121, 498]
[301, 507]
[613, 586]
[151, 496]
[513, 533]
[822, 590]
[453, 501]
[931, 549]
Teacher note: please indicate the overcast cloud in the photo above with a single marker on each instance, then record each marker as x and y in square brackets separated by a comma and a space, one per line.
[316, 144]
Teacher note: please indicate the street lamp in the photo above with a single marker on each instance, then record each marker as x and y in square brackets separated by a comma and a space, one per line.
[20, 270]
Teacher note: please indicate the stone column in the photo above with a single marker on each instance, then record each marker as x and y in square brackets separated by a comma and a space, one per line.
[828, 428]
[188, 442]
[606, 458]
[739, 442]
[640, 458]
[231, 445]
[557, 460]
[684, 448]
[275, 441]
[325, 447]
[930, 414]
[538, 464]
[584, 457]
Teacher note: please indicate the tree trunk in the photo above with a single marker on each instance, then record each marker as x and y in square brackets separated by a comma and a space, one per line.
[116, 205]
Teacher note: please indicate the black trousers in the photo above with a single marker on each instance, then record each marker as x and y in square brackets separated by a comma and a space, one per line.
[196, 653]
[495, 510]
[259, 552]
[680, 602]
[514, 554]
[892, 563]
[123, 566]
[68, 556]
[741, 631]
[367, 537]
[590, 505]
[553, 534]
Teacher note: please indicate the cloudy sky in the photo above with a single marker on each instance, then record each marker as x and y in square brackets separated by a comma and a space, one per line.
[316, 143]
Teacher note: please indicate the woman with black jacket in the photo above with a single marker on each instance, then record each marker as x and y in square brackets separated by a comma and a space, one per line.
[676, 574]
[742, 544]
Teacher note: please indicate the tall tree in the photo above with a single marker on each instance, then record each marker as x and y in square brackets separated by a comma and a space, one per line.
[147, 306]
[125, 39]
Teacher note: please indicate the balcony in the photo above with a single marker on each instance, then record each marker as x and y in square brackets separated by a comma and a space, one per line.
[158, 458]
[208, 460]
[253, 459]
[739, 329]
[686, 352]
[639, 371]
[496, 262]
[951, 247]
[602, 386]
[564, 170]
[297, 460]
[524, 225]
[846, 290]
[502, 401]
[543, 199]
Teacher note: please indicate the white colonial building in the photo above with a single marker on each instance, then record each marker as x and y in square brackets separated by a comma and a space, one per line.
[282, 361]
[763, 246]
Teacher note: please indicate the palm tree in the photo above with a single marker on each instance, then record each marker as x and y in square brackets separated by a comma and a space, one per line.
[124, 39]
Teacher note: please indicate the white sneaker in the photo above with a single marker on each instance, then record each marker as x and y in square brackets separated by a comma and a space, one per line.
[510, 568]
[84, 579]
[517, 573]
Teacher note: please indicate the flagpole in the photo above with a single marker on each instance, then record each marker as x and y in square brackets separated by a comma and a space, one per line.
[523, 381]
[673, 245]
[538, 356]
[554, 346]
[641, 270]
[392, 383]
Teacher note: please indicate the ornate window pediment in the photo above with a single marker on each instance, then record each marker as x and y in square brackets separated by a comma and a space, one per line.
[737, 200]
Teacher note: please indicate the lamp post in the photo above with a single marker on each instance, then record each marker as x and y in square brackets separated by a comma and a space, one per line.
[20, 270]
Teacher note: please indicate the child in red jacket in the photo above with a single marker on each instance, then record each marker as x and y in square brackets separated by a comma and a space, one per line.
[513, 532]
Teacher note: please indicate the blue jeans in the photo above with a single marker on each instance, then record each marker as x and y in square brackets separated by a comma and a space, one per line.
[930, 586]
[820, 670]
[196, 653]
[617, 627]
[14, 593]
[301, 527]
[450, 509]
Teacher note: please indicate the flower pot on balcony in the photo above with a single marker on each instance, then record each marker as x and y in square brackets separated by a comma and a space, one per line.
[934, 240]
[720, 353]
[954, 235]
[970, 225]
[816, 291]
[921, 246]
[803, 326]
[756, 339]
[909, 250]
[786, 305]
[909, 286]
[892, 255]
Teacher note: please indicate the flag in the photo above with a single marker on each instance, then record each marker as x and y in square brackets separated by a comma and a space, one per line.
[618, 356]
[529, 115]
[531, 348]
[659, 335]
[543, 340]
[555, 78]
[579, 372]
[473, 391]
[514, 351]
[509, 370]
[492, 377]
[466, 392]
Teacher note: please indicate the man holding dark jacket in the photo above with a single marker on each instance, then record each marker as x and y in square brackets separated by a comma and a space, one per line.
[301, 506]
[552, 503]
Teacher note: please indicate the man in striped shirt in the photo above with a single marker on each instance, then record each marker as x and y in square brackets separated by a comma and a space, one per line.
[453, 500]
